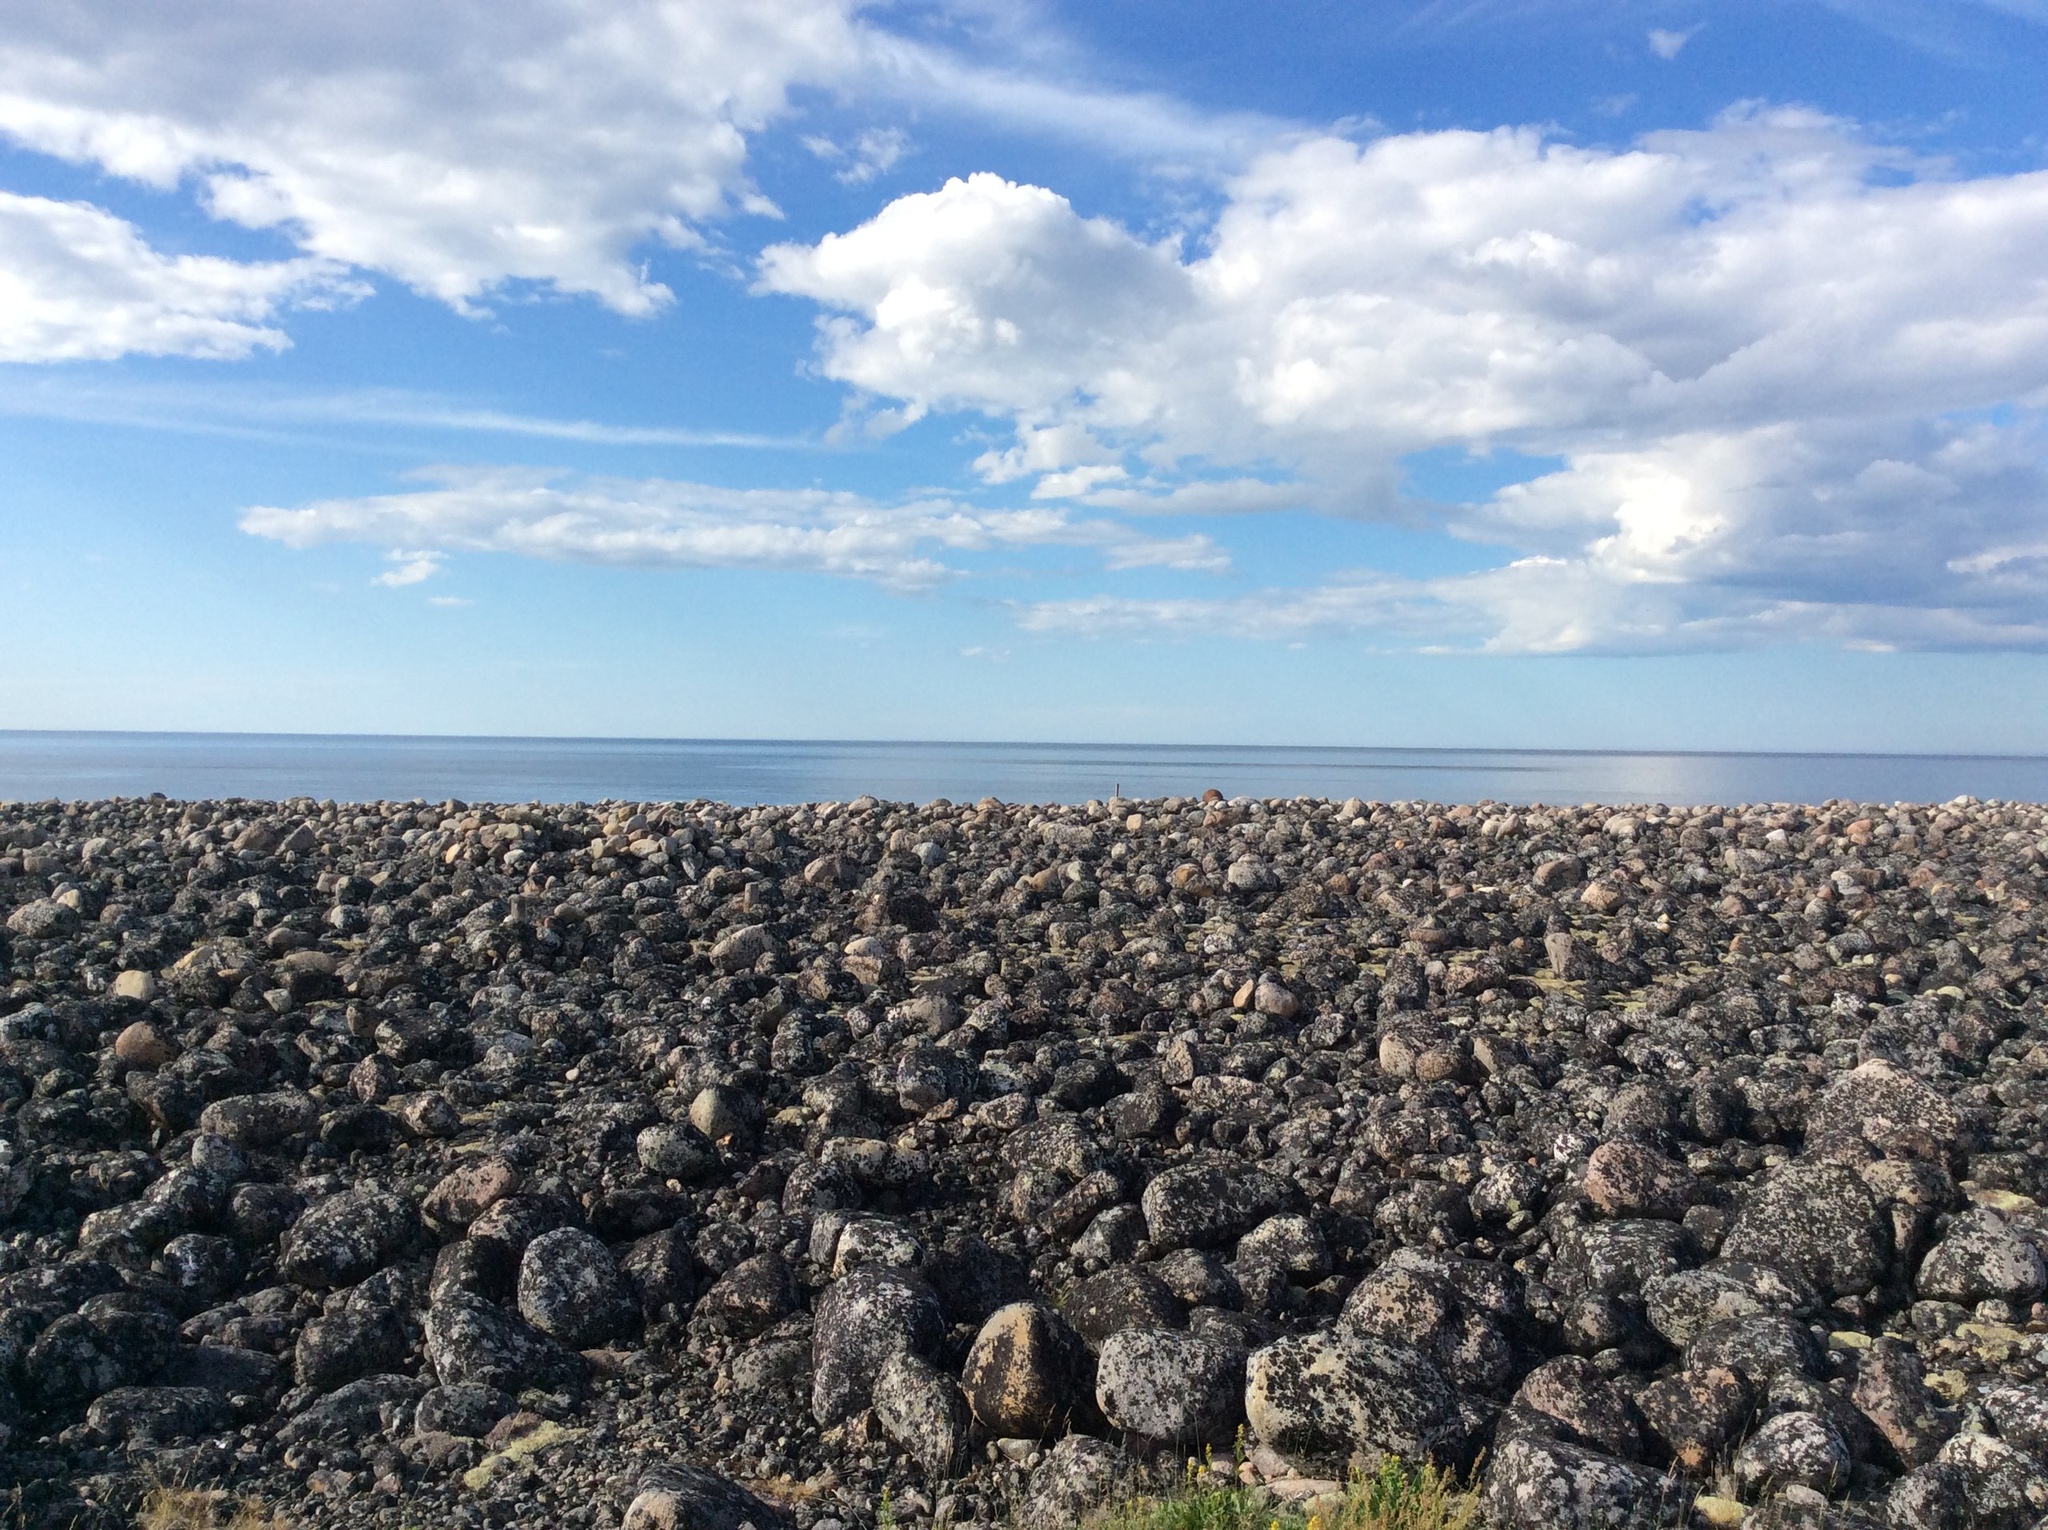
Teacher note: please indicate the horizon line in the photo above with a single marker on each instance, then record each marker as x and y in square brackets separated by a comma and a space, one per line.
[916, 743]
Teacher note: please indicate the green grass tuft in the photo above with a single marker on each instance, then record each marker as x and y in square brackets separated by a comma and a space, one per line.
[1396, 1497]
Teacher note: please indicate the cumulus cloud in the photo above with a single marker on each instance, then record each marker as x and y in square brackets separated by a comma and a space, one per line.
[455, 146]
[662, 523]
[1796, 378]
[77, 283]
[469, 146]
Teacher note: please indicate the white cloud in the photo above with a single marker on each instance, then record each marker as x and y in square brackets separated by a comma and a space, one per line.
[77, 283]
[1795, 395]
[466, 147]
[234, 407]
[1365, 601]
[1668, 44]
[661, 523]
[456, 146]
[410, 568]
[875, 152]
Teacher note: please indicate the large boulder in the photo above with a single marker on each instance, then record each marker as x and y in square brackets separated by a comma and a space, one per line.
[156, 1414]
[1421, 1298]
[462, 1195]
[346, 1238]
[339, 1348]
[1697, 1416]
[678, 1497]
[1795, 1449]
[1538, 1484]
[1208, 1204]
[472, 1342]
[1327, 1395]
[1078, 1475]
[1756, 1348]
[1891, 1392]
[1170, 1386]
[921, 1408]
[260, 1120]
[1568, 1399]
[1682, 1303]
[1817, 1222]
[1628, 1178]
[1025, 1371]
[1618, 1258]
[1123, 1296]
[1876, 1100]
[571, 1288]
[863, 1321]
[1981, 1258]
[751, 1297]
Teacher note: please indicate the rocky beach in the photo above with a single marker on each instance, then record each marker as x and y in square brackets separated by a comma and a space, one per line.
[682, 1167]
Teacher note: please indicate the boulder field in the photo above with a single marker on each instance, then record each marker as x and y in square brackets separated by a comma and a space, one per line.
[686, 1167]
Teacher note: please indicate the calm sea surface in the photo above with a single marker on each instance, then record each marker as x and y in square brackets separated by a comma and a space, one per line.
[37, 766]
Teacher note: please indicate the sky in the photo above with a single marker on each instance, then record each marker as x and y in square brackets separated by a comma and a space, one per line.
[1556, 373]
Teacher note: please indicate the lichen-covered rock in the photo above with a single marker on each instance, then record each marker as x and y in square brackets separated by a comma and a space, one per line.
[127, 1415]
[1538, 1484]
[346, 1238]
[1980, 1258]
[1756, 1348]
[1794, 1449]
[354, 1342]
[1682, 1303]
[673, 1496]
[1933, 1497]
[462, 1195]
[921, 1408]
[1326, 1396]
[2003, 1487]
[570, 1287]
[472, 1342]
[1619, 1258]
[1697, 1416]
[1025, 1371]
[1419, 1299]
[1077, 1475]
[466, 1409]
[1627, 1178]
[260, 1120]
[751, 1297]
[1891, 1392]
[1206, 1205]
[861, 1322]
[1170, 1386]
[1817, 1222]
[1876, 1101]
[1568, 1399]
[1124, 1296]
[2020, 1414]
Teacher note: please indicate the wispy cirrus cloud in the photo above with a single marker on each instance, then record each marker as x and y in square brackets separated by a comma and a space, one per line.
[227, 407]
[662, 523]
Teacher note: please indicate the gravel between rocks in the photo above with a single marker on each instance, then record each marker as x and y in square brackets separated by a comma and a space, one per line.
[680, 1165]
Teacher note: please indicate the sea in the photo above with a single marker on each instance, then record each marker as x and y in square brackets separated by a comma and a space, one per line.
[39, 766]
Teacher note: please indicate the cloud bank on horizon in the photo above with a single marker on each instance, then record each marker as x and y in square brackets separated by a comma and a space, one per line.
[1780, 377]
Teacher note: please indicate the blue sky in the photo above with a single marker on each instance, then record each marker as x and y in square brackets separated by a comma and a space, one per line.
[1550, 374]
